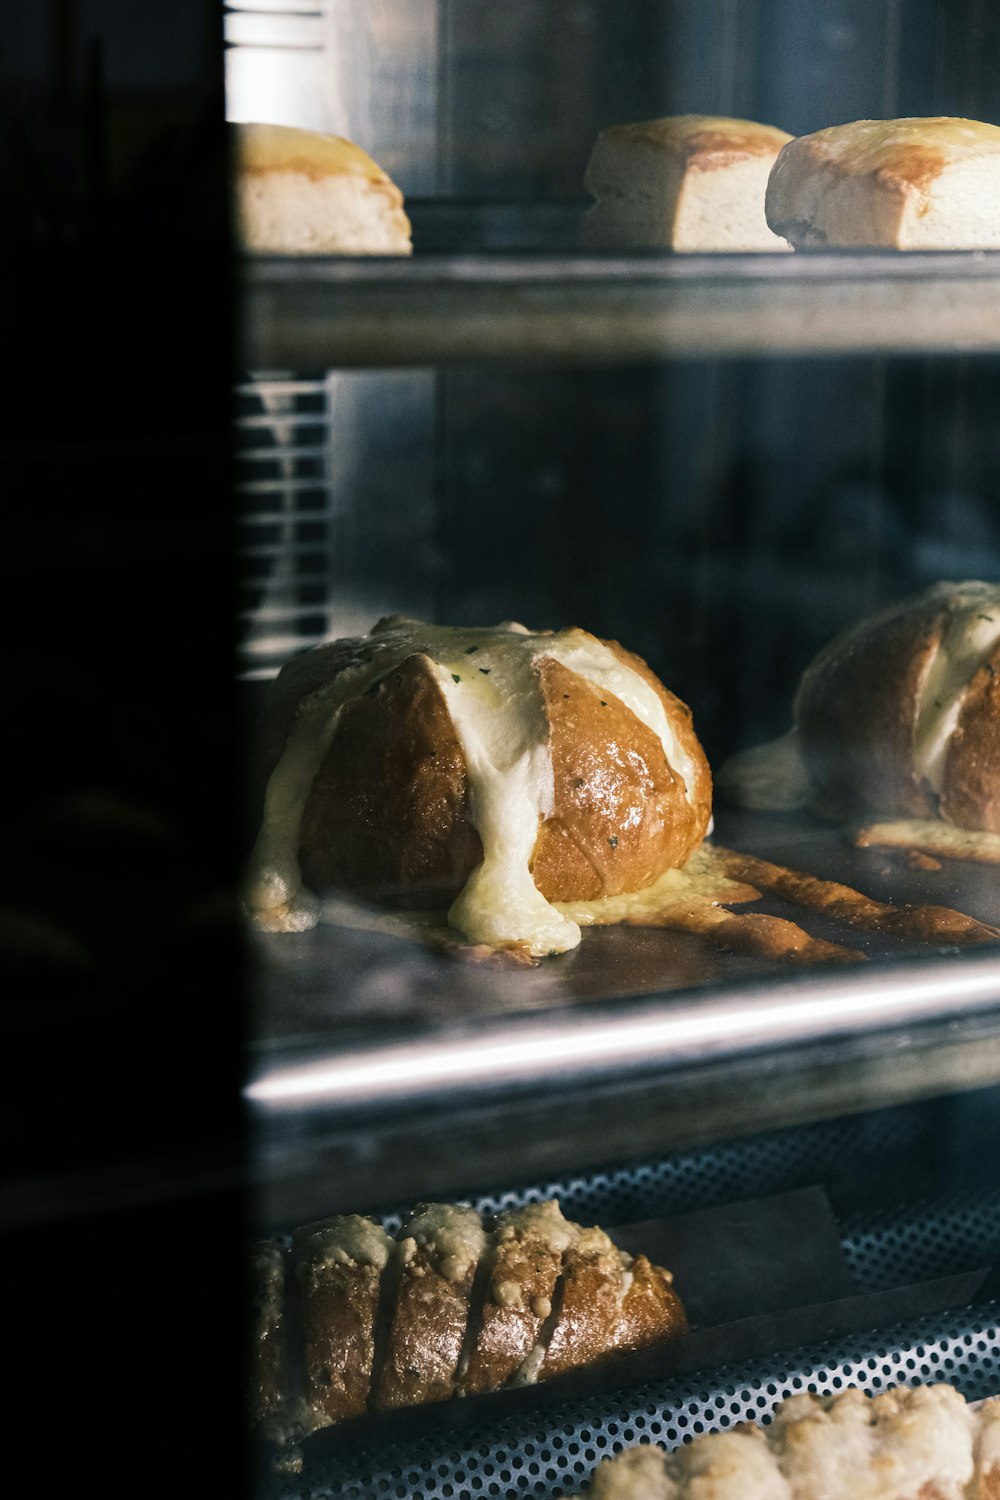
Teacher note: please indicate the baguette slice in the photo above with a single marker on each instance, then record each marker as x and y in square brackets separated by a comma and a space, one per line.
[436, 1257]
[299, 192]
[526, 1256]
[608, 1304]
[911, 184]
[339, 1266]
[686, 182]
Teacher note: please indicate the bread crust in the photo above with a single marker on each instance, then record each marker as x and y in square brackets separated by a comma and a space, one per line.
[339, 1270]
[518, 1296]
[388, 813]
[305, 192]
[431, 1309]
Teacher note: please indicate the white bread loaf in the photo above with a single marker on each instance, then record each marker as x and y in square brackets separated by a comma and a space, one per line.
[911, 184]
[302, 193]
[686, 182]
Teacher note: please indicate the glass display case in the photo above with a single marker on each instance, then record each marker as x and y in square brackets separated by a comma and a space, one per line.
[722, 460]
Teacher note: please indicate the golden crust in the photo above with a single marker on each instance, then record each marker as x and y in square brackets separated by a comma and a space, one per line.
[518, 1298]
[621, 815]
[339, 1308]
[283, 148]
[388, 813]
[703, 141]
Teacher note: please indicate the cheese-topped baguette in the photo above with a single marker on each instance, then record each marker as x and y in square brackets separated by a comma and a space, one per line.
[898, 716]
[339, 1266]
[523, 1269]
[686, 182]
[299, 192]
[498, 770]
[454, 1305]
[437, 1254]
[919, 1443]
[608, 1303]
[912, 184]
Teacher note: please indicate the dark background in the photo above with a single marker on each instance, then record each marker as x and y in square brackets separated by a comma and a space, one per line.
[119, 964]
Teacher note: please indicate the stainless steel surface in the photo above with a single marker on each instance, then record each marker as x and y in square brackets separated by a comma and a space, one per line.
[314, 314]
[625, 1040]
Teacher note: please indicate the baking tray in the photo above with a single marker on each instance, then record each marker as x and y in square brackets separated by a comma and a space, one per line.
[487, 306]
[382, 1066]
[774, 1307]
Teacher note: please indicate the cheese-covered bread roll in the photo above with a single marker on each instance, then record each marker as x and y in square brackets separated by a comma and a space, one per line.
[912, 184]
[899, 716]
[500, 770]
[299, 192]
[687, 182]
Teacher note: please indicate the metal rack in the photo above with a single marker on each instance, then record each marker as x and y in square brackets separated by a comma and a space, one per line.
[446, 308]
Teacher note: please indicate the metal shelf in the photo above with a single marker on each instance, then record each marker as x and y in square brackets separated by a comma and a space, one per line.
[379, 1069]
[446, 308]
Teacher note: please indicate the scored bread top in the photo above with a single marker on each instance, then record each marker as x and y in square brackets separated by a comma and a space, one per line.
[443, 757]
[284, 148]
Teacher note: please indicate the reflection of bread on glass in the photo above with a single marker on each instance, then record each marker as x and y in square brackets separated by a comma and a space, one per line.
[299, 192]
[911, 184]
[686, 182]
[898, 717]
[498, 770]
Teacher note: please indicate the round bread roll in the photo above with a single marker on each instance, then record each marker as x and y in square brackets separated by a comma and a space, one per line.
[899, 716]
[497, 769]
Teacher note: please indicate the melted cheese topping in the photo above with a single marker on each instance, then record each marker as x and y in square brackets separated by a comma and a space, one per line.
[932, 836]
[490, 682]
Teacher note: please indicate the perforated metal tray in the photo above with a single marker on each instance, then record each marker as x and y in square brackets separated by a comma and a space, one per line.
[488, 306]
[550, 1451]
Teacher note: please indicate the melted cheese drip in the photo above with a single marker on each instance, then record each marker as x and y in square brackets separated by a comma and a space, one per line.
[968, 640]
[490, 682]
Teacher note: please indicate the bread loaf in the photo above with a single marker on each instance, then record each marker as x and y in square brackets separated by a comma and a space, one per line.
[498, 770]
[299, 192]
[899, 716]
[908, 1443]
[912, 184]
[454, 1305]
[686, 182]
